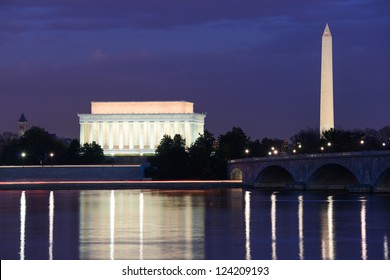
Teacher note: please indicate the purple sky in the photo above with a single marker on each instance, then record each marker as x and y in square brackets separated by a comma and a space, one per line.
[248, 63]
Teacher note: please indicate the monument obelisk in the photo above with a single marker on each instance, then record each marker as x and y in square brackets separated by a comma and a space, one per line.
[326, 114]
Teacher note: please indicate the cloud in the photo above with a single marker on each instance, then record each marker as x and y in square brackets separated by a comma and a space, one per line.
[98, 55]
[105, 14]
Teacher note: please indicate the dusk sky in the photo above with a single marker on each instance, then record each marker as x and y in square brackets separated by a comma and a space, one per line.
[248, 63]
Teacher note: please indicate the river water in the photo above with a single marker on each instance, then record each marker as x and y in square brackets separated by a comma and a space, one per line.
[193, 224]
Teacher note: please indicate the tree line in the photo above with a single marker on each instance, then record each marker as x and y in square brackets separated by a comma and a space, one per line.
[206, 158]
[37, 146]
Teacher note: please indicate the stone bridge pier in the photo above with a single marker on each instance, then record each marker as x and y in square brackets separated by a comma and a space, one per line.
[368, 171]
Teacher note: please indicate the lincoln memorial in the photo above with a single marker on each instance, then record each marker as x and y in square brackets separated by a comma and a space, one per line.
[136, 128]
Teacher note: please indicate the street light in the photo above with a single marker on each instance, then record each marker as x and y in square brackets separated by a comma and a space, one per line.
[51, 159]
[23, 154]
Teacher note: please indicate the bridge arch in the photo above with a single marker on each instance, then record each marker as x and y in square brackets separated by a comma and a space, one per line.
[236, 174]
[274, 176]
[384, 179]
[332, 175]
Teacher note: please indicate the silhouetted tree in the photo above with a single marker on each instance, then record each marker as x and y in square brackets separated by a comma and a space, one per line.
[200, 154]
[205, 162]
[91, 153]
[73, 154]
[233, 144]
[337, 140]
[37, 144]
[306, 141]
[171, 160]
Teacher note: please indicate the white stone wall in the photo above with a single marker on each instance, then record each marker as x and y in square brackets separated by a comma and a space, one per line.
[154, 107]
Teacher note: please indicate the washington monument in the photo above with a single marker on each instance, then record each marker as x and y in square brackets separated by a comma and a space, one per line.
[326, 115]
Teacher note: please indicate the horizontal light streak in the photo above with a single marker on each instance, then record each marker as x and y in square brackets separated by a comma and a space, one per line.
[146, 182]
[70, 166]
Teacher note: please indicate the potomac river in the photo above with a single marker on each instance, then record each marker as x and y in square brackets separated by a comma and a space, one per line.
[207, 223]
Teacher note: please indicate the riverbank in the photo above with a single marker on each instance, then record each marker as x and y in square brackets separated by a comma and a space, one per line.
[94, 177]
[37, 173]
[123, 184]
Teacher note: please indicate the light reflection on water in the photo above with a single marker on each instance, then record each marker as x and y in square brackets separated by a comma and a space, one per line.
[300, 228]
[248, 225]
[51, 224]
[273, 225]
[22, 224]
[199, 224]
[363, 230]
[328, 245]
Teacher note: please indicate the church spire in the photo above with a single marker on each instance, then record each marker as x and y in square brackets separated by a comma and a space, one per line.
[22, 125]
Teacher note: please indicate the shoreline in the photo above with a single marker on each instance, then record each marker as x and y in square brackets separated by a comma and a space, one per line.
[120, 184]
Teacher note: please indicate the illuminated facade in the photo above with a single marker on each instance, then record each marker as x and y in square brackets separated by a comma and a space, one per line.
[136, 128]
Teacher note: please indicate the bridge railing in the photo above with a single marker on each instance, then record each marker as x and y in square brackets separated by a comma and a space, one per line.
[308, 156]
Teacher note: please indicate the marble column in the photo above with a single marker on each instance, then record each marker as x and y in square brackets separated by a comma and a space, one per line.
[101, 139]
[151, 135]
[82, 131]
[141, 135]
[110, 135]
[131, 135]
[120, 135]
[187, 132]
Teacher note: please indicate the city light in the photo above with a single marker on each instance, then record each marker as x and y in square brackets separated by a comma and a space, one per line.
[23, 154]
[51, 158]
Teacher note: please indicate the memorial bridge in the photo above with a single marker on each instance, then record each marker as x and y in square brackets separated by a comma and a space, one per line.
[360, 171]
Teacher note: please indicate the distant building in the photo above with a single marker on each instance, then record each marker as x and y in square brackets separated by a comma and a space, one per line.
[136, 128]
[22, 125]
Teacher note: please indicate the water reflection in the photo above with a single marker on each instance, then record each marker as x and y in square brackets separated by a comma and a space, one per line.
[51, 224]
[363, 229]
[328, 246]
[273, 225]
[147, 225]
[196, 224]
[300, 227]
[22, 224]
[247, 225]
[141, 226]
[112, 224]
